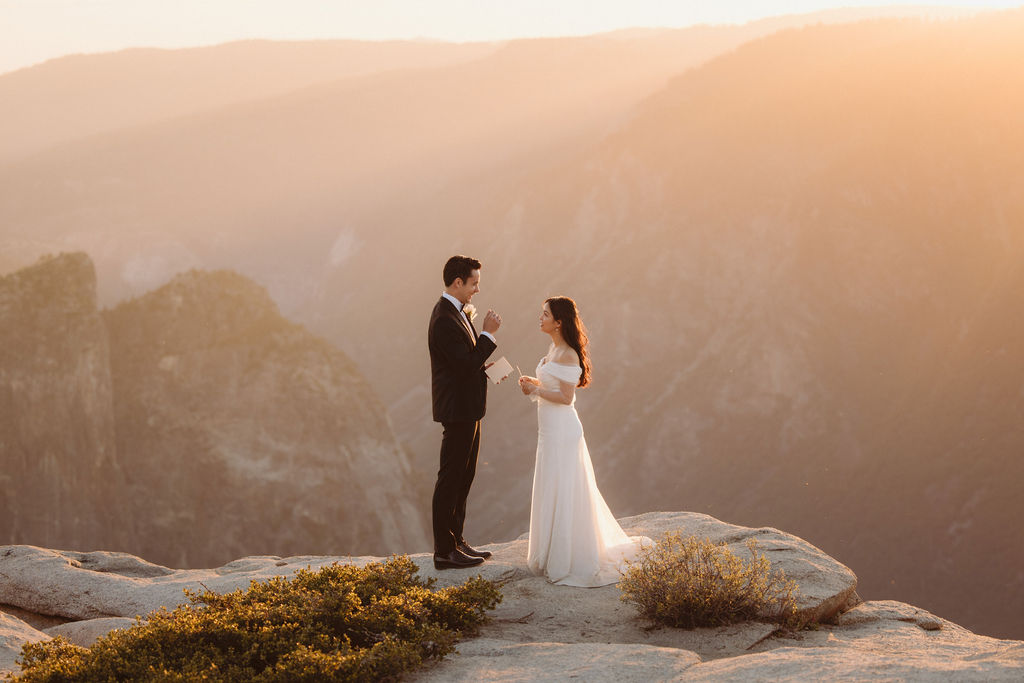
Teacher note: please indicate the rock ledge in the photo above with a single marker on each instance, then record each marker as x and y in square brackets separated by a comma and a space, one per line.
[546, 632]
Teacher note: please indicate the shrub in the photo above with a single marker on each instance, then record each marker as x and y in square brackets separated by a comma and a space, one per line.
[688, 582]
[341, 623]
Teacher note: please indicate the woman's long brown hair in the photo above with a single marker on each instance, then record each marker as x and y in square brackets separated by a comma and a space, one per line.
[563, 310]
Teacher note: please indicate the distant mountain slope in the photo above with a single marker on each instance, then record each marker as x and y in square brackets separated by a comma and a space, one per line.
[246, 434]
[58, 466]
[220, 187]
[217, 157]
[193, 423]
[83, 95]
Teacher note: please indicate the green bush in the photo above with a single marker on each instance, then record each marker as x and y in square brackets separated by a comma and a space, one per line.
[341, 623]
[688, 582]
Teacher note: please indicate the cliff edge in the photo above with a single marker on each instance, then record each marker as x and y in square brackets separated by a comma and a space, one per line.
[546, 632]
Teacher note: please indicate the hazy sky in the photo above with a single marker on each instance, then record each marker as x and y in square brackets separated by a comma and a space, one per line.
[32, 31]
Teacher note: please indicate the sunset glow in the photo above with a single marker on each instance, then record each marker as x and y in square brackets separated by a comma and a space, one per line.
[757, 266]
[35, 30]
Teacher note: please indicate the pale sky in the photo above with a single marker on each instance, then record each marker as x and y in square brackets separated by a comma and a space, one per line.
[33, 31]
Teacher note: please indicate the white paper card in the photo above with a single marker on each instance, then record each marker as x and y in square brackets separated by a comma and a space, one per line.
[500, 370]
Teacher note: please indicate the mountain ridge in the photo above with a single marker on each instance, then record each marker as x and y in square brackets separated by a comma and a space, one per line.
[199, 394]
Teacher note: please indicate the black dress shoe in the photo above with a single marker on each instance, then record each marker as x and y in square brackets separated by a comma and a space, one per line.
[455, 560]
[465, 549]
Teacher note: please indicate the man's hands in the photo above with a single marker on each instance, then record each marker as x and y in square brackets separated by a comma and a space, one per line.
[492, 321]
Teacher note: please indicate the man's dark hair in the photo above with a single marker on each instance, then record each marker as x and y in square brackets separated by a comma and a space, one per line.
[459, 267]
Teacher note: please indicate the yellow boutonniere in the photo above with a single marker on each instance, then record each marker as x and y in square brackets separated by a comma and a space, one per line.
[470, 311]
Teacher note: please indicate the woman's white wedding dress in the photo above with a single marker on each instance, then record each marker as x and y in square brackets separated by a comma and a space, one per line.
[574, 539]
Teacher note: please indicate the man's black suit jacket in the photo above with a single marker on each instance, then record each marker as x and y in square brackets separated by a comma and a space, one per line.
[458, 381]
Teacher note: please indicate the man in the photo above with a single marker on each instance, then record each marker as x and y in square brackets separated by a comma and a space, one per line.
[458, 359]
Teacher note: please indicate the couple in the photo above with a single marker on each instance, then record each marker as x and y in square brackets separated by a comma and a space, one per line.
[574, 539]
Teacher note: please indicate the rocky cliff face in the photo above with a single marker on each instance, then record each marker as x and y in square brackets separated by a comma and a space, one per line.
[190, 425]
[247, 433]
[57, 445]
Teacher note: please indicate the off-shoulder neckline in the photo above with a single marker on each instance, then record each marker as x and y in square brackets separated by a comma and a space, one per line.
[564, 365]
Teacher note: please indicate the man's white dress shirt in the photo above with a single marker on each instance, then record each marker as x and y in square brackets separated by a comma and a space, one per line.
[458, 307]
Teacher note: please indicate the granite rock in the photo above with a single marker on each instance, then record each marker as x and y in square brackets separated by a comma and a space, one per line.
[545, 632]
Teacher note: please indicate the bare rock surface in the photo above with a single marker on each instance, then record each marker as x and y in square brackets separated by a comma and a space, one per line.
[13, 634]
[40, 622]
[546, 632]
[85, 633]
[484, 659]
[59, 583]
[882, 640]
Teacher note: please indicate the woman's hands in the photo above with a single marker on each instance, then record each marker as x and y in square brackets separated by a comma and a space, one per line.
[526, 384]
[531, 386]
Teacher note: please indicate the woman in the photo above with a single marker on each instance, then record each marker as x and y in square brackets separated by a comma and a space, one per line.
[574, 539]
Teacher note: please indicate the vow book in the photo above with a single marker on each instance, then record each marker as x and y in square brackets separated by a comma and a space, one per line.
[500, 370]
